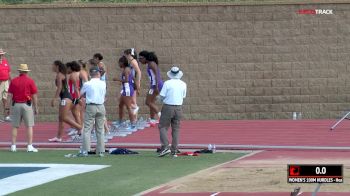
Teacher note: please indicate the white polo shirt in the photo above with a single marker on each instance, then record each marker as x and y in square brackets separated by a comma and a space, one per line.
[95, 91]
[173, 91]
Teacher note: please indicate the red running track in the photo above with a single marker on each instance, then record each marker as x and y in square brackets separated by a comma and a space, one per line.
[262, 159]
[312, 133]
[159, 193]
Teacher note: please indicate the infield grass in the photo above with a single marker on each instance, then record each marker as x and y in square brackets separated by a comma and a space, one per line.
[128, 174]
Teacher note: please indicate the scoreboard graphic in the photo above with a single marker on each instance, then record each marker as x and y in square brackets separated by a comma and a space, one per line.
[315, 173]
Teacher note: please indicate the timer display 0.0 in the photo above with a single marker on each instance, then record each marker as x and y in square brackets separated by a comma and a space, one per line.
[315, 173]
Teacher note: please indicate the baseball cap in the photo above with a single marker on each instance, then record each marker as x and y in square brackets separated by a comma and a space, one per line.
[94, 69]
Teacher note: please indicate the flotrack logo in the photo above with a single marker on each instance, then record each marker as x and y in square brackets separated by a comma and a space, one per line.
[316, 11]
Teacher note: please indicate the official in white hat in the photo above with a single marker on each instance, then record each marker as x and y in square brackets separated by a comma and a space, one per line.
[172, 95]
[175, 73]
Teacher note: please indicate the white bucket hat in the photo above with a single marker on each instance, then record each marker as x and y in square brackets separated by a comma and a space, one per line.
[175, 73]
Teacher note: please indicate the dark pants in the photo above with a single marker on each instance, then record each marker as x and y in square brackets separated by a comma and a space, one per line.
[171, 115]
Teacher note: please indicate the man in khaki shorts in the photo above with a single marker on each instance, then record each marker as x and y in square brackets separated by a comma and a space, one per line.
[24, 95]
[5, 78]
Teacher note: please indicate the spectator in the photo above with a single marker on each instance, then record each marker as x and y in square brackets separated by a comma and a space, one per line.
[5, 78]
[24, 95]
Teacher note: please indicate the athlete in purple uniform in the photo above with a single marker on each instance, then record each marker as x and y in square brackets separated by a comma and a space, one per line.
[127, 89]
[131, 55]
[156, 82]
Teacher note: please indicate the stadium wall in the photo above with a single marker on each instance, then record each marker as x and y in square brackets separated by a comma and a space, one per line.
[239, 61]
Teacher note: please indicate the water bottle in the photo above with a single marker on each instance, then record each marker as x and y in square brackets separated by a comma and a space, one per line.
[214, 148]
[294, 115]
[300, 116]
[210, 147]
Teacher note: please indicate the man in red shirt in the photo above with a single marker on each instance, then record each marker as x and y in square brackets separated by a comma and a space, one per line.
[24, 95]
[5, 77]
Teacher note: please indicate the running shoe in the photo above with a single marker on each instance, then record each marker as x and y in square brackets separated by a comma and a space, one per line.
[82, 154]
[73, 132]
[30, 148]
[141, 124]
[8, 119]
[70, 129]
[75, 139]
[154, 121]
[55, 139]
[173, 154]
[131, 128]
[13, 148]
[164, 152]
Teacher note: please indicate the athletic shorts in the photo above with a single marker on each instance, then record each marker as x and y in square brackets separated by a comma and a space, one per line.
[127, 90]
[22, 111]
[4, 87]
[151, 89]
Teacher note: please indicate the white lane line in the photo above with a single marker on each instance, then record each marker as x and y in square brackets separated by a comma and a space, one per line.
[31, 179]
